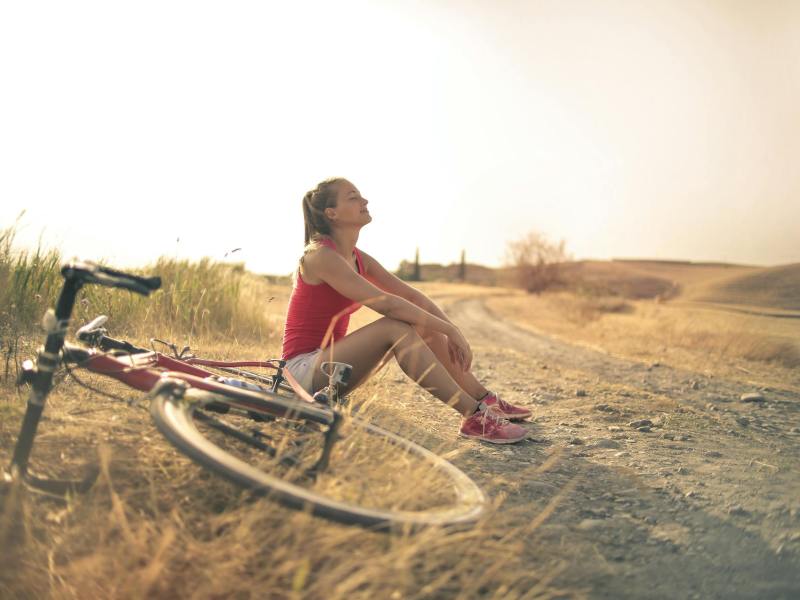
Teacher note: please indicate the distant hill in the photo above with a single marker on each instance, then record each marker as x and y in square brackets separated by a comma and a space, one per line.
[721, 283]
[770, 287]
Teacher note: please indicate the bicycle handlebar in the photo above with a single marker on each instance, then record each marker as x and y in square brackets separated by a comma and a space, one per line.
[87, 272]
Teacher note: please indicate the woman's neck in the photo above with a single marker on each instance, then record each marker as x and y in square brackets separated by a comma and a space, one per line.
[345, 240]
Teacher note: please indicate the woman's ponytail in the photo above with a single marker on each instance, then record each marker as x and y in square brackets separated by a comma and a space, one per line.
[314, 204]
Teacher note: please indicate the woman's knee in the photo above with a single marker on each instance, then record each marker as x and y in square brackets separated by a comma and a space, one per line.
[430, 337]
[396, 330]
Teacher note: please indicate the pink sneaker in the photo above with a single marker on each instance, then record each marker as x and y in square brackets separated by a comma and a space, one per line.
[489, 426]
[506, 409]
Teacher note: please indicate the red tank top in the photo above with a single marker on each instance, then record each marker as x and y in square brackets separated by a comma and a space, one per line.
[311, 310]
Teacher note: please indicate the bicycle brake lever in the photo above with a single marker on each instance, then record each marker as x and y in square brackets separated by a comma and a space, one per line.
[93, 331]
[169, 345]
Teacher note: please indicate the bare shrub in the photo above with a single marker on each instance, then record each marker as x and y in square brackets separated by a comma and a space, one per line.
[536, 261]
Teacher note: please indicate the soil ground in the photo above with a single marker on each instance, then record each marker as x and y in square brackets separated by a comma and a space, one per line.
[676, 487]
[640, 479]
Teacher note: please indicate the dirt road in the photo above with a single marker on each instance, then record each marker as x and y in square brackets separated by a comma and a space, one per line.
[665, 483]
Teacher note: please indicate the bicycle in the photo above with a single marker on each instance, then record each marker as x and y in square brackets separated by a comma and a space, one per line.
[218, 423]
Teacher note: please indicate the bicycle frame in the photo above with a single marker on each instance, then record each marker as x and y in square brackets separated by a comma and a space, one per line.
[94, 334]
[182, 394]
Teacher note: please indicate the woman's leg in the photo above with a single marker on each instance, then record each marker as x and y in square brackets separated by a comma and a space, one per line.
[437, 342]
[368, 348]
[467, 381]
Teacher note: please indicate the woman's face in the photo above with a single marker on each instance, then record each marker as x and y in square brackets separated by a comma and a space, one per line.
[351, 207]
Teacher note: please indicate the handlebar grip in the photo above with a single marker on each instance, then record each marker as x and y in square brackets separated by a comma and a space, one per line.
[87, 272]
[151, 283]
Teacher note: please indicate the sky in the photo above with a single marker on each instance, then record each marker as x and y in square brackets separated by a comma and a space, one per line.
[662, 129]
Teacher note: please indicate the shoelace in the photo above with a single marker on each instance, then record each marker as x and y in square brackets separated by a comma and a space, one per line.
[492, 420]
[500, 403]
[503, 404]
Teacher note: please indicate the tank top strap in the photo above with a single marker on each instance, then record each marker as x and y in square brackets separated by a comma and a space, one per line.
[359, 261]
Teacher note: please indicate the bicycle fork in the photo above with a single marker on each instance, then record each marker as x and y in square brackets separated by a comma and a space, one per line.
[40, 375]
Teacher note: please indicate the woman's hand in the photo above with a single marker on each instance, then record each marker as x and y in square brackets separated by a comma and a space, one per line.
[458, 347]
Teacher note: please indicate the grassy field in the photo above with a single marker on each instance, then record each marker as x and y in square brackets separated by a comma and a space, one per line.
[157, 526]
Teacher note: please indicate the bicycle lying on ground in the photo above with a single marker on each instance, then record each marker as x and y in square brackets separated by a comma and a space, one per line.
[261, 432]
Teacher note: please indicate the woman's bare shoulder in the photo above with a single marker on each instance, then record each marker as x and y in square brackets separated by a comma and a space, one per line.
[317, 260]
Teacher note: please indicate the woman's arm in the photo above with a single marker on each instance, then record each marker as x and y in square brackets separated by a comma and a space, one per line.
[388, 282]
[333, 269]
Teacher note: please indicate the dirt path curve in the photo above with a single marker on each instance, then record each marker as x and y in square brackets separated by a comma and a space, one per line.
[671, 486]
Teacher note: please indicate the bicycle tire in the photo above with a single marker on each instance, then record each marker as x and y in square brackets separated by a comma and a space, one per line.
[177, 417]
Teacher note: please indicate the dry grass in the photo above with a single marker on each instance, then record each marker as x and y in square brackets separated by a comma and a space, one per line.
[157, 526]
[684, 334]
[601, 309]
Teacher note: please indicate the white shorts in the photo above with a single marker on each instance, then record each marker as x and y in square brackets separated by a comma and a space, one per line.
[302, 368]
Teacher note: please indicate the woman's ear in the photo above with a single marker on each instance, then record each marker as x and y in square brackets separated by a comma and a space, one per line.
[330, 213]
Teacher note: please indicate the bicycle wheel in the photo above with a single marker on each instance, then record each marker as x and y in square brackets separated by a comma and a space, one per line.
[372, 477]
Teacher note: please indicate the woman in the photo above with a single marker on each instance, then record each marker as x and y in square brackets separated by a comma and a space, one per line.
[335, 278]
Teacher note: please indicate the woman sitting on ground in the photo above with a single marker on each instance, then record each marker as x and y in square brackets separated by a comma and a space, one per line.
[335, 278]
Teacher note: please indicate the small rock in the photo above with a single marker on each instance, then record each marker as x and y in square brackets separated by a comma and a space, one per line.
[691, 494]
[544, 367]
[695, 385]
[668, 436]
[615, 429]
[576, 441]
[683, 438]
[641, 423]
[738, 511]
[645, 429]
[712, 454]
[753, 397]
[682, 471]
[650, 520]
[606, 443]
[620, 454]
[588, 524]
[581, 393]
[743, 421]
[655, 364]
